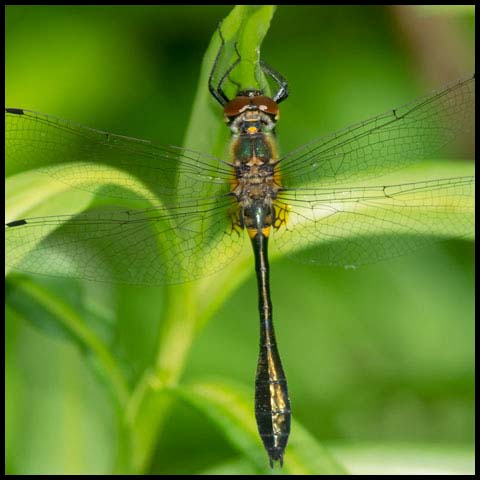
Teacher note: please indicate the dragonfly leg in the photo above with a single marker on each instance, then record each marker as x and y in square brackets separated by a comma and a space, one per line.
[217, 91]
[227, 73]
[282, 92]
[237, 61]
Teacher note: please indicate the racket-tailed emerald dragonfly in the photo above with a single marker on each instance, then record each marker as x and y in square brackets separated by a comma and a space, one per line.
[183, 205]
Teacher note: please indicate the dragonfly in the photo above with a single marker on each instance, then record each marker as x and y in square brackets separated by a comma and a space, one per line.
[185, 214]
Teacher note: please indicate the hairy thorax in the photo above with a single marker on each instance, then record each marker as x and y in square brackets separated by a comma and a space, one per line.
[256, 184]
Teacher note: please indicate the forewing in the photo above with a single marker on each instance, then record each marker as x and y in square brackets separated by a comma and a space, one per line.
[385, 143]
[110, 165]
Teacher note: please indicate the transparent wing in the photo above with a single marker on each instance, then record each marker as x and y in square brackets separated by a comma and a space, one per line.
[150, 246]
[351, 227]
[98, 162]
[384, 143]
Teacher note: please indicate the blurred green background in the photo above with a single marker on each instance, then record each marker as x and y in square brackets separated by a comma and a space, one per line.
[379, 360]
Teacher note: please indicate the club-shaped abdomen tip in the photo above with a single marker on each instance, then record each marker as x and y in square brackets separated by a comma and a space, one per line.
[275, 455]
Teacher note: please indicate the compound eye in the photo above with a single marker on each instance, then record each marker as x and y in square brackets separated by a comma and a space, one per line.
[266, 104]
[236, 106]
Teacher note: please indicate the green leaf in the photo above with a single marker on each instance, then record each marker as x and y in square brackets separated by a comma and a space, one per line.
[407, 459]
[247, 25]
[230, 406]
[445, 10]
[233, 467]
[55, 316]
[29, 194]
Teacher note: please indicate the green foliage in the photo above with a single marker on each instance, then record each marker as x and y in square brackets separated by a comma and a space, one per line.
[229, 406]
[136, 340]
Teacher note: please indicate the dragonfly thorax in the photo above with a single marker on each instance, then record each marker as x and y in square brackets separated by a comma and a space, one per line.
[257, 182]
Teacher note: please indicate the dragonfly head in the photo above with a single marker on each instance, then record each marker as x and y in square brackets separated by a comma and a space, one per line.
[251, 112]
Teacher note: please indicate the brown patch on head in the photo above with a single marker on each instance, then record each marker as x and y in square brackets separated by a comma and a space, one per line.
[236, 106]
[265, 104]
[241, 103]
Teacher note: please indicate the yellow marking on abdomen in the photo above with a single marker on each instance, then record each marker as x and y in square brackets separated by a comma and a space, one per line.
[253, 231]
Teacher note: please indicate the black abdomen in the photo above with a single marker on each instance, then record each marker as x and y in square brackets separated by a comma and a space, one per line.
[272, 404]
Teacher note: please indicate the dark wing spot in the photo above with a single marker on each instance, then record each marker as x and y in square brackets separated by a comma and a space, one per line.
[16, 111]
[16, 223]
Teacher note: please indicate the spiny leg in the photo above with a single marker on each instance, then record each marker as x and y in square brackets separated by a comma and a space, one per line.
[282, 83]
[218, 92]
[227, 73]
[239, 58]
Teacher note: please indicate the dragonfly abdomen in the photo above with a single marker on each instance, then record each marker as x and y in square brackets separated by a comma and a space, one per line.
[272, 404]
